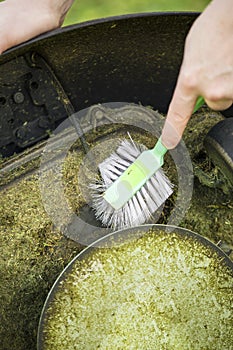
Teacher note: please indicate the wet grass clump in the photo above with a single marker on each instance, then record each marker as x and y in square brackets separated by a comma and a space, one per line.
[33, 251]
[161, 291]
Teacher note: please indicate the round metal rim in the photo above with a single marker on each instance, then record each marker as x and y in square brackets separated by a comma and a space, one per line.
[95, 245]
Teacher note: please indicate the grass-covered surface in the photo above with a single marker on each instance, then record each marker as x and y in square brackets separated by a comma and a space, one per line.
[33, 252]
[155, 291]
[92, 9]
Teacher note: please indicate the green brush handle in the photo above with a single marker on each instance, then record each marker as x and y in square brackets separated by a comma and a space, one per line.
[199, 103]
[137, 174]
[159, 150]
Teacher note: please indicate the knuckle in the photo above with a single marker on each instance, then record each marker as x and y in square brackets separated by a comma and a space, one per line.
[178, 117]
[215, 94]
[189, 80]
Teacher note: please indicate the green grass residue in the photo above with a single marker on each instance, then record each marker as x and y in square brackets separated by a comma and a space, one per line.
[162, 291]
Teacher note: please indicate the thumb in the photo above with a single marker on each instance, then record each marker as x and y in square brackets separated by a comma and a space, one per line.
[179, 113]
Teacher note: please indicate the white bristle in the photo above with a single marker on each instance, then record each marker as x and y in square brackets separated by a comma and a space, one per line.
[144, 203]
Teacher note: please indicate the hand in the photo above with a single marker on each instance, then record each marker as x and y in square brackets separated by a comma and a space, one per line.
[21, 20]
[206, 70]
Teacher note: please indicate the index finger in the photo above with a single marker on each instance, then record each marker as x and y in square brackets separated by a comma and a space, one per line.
[179, 113]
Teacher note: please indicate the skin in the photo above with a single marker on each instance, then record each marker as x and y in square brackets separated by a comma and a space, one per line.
[206, 70]
[21, 20]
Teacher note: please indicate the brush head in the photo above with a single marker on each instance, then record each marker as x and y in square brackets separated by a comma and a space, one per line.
[138, 209]
[131, 181]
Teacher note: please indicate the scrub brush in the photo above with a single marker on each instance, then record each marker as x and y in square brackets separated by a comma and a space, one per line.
[133, 185]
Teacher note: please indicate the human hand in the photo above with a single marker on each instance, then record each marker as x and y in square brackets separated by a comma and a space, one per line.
[206, 70]
[21, 20]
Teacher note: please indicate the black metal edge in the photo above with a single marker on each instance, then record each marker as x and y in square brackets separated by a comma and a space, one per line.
[30, 44]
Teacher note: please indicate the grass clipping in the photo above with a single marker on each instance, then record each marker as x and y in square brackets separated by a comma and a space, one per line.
[161, 291]
[32, 250]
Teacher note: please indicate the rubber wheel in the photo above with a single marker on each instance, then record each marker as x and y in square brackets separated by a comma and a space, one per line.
[219, 145]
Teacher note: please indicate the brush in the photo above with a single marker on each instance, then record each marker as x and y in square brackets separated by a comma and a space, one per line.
[133, 185]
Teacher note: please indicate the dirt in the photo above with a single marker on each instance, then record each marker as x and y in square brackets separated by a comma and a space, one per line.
[33, 252]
